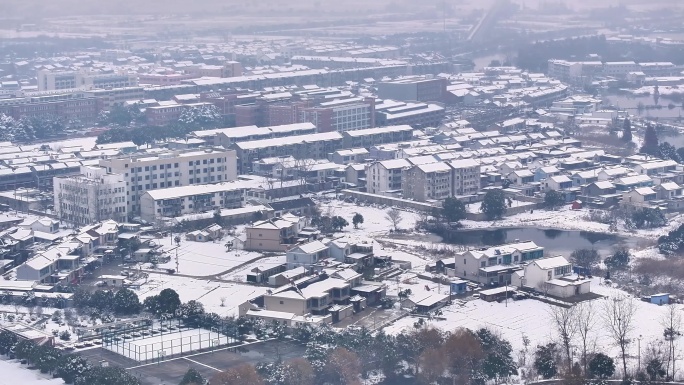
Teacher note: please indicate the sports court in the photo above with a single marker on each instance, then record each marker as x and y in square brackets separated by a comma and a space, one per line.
[158, 344]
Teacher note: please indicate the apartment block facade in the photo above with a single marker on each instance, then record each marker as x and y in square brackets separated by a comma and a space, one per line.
[90, 197]
[172, 169]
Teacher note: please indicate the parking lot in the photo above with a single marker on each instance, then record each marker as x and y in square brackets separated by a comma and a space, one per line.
[208, 363]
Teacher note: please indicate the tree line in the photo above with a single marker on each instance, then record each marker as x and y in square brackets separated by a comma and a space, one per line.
[127, 123]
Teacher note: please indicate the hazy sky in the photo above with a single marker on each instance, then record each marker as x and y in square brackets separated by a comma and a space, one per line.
[51, 8]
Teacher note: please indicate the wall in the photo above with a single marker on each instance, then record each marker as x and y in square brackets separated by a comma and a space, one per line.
[289, 305]
[389, 201]
[509, 211]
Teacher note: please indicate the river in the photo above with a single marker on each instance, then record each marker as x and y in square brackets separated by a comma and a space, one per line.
[555, 242]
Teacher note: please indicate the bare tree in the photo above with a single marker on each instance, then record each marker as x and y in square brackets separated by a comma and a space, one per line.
[394, 215]
[462, 352]
[566, 326]
[432, 364]
[618, 317]
[585, 319]
[244, 374]
[544, 286]
[672, 329]
[343, 366]
[298, 371]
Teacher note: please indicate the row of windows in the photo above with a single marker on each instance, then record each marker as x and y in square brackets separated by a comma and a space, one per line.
[175, 165]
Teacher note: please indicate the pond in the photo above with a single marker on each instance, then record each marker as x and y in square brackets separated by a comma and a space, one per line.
[668, 108]
[555, 242]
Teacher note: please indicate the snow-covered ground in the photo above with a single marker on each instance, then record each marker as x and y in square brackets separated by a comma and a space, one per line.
[567, 219]
[148, 348]
[531, 318]
[13, 373]
[375, 221]
[203, 259]
[210, 293]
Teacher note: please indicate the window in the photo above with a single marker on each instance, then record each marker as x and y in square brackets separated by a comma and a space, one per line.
[549, 276]
[147, 168]
[281, 302]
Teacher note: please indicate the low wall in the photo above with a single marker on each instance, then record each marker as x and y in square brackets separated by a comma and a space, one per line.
[509, 211]
[388, 201]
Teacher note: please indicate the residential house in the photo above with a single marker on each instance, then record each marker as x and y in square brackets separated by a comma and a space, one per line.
[581, 178]
[287, 276]
[599, 188]
[465, 177]
[424, 302]
[58, 264]
[613, 173]
[558, 183]
[384, 177]
[545, 172]
[352, 250]
[508, 167]
[276, 234]
[552, 276]
[355, 175]
[44, 224]
[631, 182]
[307, 254]
[425, 182]
[494, 265]
[639, 196]
[655, 167]
[669, 190]
[520, 177]
[315, 298]
[353, 155]
[261, 273]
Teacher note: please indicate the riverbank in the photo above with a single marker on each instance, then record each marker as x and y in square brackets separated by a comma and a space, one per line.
[567, 219]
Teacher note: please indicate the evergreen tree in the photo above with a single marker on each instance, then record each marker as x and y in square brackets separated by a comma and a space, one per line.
[338, 223]
[498, 361]
[668, 151]
[494, 204]
[191, 312]
[601, 366]
[168, 301]
[454, 210]
[357, 220]
[650, 146]
[71, 367]
[110, 375]
[126, 302]
[553, 199]
[545, 360]
[102, 300]
[192, 377]
[627, 131]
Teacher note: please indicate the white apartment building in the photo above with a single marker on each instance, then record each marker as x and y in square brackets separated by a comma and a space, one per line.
[620, 69]
[62, 80]
[384, 177]
[93, 196]
[172, 169]
[466, 176]
[431, 181]
[564, 70]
